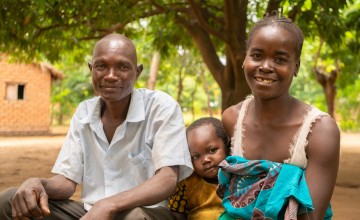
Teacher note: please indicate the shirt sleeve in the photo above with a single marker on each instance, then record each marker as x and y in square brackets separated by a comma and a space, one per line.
[170, 146]
[69, 162]
[179, 201]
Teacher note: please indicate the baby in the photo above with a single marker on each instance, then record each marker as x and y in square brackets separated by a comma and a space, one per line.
[195, 197]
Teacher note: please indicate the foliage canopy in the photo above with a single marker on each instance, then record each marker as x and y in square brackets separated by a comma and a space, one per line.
[53, 29]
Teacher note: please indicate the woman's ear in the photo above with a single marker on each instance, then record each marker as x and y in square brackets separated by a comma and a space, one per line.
[243, 64]
[297, 67]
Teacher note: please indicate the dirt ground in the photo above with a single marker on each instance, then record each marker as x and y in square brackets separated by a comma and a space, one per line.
[24, 157]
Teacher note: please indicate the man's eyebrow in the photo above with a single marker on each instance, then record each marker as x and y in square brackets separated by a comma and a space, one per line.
[98, 60]
[123, 62]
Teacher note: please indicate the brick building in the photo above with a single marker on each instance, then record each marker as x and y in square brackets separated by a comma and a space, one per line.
[25, 97]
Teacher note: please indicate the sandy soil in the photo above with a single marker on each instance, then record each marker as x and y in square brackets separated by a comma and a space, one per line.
[24, 157]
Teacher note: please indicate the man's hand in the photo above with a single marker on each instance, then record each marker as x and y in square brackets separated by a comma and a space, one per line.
[162, 185]
[101, 210]
[30, 200]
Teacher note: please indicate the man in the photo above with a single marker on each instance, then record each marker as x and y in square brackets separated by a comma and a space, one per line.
[126, 147]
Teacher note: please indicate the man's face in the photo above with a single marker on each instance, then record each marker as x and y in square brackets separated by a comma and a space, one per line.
[114, 70]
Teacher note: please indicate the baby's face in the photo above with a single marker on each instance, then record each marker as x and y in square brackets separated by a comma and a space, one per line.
[206, 150]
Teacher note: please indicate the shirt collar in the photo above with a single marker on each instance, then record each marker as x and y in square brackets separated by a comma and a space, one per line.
[136, 110]
[89, 111]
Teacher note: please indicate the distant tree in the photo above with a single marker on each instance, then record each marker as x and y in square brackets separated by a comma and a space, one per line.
[154, 67]
[74, 88]
[331, 61]
[218, 29]
[327, 80]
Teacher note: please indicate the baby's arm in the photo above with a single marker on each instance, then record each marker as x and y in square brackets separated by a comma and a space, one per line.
[178, 203]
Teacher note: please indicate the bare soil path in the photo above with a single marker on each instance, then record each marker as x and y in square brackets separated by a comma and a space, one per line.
[24, 157]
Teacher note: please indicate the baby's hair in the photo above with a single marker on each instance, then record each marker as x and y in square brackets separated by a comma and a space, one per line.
[217, 124]
[274, 19]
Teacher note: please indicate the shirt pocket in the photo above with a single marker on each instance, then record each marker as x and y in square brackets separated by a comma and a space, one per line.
[141, 158]
[88, 184]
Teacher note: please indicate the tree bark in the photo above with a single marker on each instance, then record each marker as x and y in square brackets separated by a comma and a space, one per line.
[207, 92]
[327, 82]
[153, 71]
[193, 102]
[229, 76]
[180, 84]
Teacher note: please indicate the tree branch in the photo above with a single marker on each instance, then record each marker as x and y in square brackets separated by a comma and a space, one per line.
[178, 7]
[40, 30]
[205, 46]
[236, 28]
[273, 5]
[295, 10]
[317, 55]
[202, 23]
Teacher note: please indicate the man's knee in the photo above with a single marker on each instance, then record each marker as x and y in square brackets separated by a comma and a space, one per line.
[5, 203]
[140, 213]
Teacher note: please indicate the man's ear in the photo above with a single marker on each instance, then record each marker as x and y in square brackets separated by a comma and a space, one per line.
[139, 69]
[90, 66]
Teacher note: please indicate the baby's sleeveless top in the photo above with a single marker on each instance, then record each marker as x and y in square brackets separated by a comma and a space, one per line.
[296, 148]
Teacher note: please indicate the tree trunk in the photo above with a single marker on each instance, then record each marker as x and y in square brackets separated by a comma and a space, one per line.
[193, 101]
[207, 92]
[234, 87]
[61, 115]
[229, 76]
[180, 84]
[327, 81]
[153, 71]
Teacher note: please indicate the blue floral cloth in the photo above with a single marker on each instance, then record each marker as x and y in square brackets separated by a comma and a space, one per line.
[261, 189]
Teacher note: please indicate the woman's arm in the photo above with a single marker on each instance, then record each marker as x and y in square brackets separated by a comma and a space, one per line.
[229, 118]
[323, 153]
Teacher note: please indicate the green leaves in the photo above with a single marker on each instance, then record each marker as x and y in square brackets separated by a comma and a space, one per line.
[65, 31]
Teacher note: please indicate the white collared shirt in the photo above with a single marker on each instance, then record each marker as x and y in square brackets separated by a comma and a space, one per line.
[151, 137]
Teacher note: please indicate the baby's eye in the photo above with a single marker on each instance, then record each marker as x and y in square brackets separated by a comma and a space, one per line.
[213, 150]
[195, 157]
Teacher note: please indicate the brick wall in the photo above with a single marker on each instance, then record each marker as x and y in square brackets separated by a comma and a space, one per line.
[30, 116]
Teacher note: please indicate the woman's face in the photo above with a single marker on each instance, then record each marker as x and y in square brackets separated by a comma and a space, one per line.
[271, 62]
